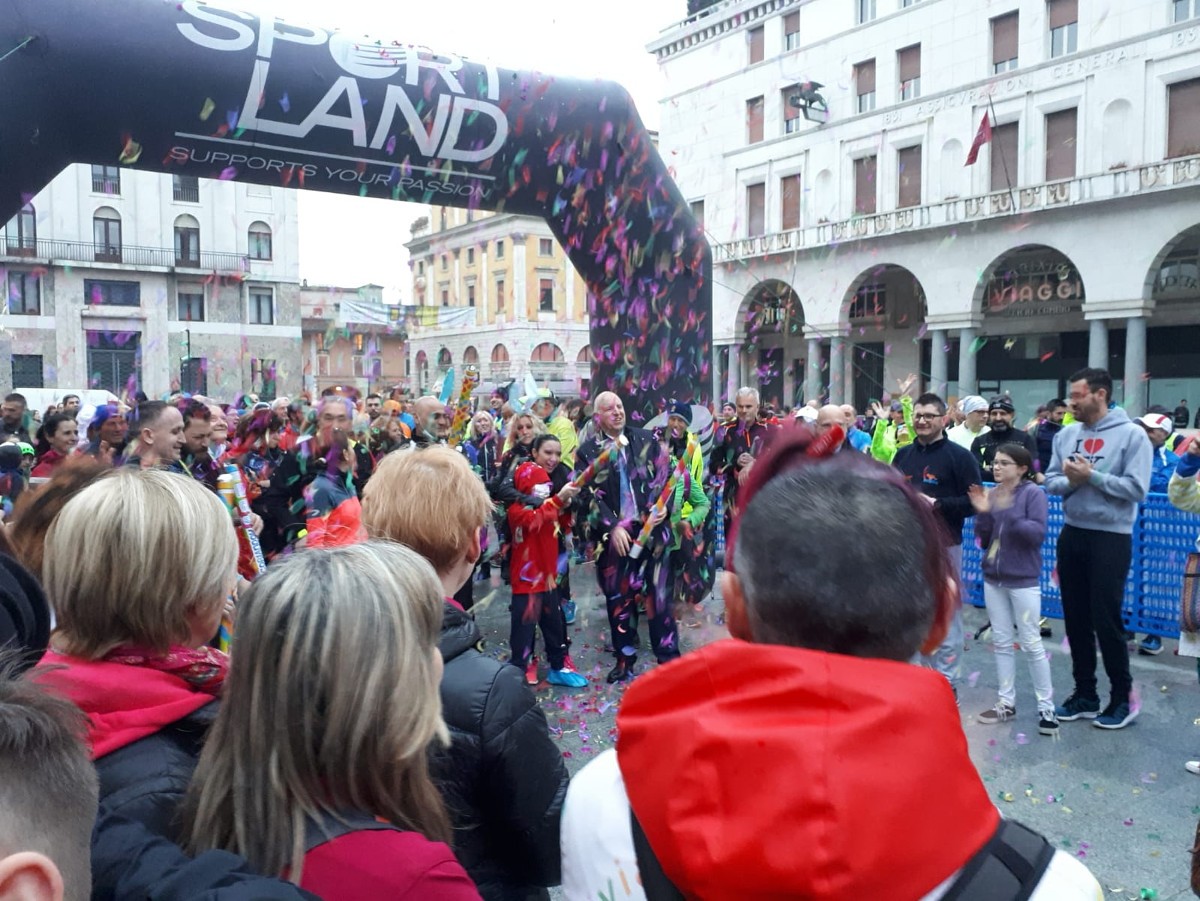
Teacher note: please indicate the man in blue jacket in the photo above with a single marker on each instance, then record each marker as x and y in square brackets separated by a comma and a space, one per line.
[1101, 467]
[943, 472]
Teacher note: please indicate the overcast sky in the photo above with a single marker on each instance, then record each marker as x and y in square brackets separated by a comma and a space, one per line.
[350, 241]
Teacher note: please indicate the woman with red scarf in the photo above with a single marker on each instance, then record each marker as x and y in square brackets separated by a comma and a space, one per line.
[135, 612]
[56, 441]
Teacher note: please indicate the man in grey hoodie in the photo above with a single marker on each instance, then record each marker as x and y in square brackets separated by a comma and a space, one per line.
[1101, 467]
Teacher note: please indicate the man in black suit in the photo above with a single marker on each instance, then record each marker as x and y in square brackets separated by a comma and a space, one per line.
[616, 503]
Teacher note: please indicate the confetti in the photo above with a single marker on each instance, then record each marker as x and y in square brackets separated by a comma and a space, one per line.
[207, 109]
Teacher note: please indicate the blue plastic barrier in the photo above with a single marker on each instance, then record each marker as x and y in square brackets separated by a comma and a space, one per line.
[1162, 539]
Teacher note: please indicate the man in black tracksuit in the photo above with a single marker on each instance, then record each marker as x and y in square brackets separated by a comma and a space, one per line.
[942, 472]
[1001, 413]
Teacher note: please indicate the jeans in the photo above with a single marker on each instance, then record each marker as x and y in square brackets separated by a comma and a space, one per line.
[540, 609]
[947, 659]
[1017, 612]
[1092, 568]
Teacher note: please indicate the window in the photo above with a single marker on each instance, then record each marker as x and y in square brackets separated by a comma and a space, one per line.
[789, 202]
[27, 371]
[445, 262]
[101, 292]
[1183, 118]
[908, 61]
[546, 295]
[360, 343]
[1186, 9]
[545, 247]
[908, 177]
[1004, 156]
[791, 31]
[106, 233]
[757, 44]
[756, 210]
[864, 184]
[259, 239]
[187, 242]
[21, 233]
[262, 377]
[445, 359]
[1064, 26]
[698, 213]
[870, 302]
[501, 302]
[754, 120]
[445, 297]
[262, 306]
[191, 306]
[864, 85]
[1060, 144]
[792, 120]
[23, 294]
[470, 295]
[185, 188]
[442, 219]
[106, 179]
[193, 375]
[1004, 42]
[470, 256]
[865, 10]
[500, 249]
[905, 4]
[499, 354]
[420, 267]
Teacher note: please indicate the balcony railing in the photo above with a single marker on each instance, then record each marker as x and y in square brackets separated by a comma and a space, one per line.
[87, 252]
[189, 193]
[955, 212]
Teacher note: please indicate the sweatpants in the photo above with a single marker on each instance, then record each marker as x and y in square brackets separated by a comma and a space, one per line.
[625, 582]
[947, 659]
[1017, 612]
[1092, 568]
[542, 609]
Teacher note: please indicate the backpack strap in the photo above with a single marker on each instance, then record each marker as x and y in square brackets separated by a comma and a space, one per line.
[655, 883]
[325, 827]
[1007, 868]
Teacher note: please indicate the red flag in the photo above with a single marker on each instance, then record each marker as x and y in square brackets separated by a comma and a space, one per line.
[983, 136]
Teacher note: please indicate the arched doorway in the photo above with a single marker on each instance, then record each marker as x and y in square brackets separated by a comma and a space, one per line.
[470, 356]
[1173, 343]
[884, 309]
[1034, 334]
[422, 371]
[583, 371]
[770, 348]
[501, 369]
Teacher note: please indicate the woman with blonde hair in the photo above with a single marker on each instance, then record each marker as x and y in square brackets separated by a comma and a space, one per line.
[317, 766]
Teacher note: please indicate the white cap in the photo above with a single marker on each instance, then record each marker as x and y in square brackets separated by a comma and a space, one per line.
[1157, 421]
[972, 403]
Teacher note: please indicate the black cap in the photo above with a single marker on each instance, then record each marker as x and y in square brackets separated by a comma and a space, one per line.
[682, 410]
[1002, 402]
[24, 614]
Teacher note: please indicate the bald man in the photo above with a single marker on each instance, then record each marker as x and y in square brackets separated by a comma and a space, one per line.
[615, 505]
[433, 422]
[827, 417]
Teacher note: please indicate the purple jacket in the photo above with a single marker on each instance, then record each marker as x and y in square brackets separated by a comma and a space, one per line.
[1011, 539]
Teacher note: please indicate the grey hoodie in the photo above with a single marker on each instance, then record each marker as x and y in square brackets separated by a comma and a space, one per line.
[1121, 454]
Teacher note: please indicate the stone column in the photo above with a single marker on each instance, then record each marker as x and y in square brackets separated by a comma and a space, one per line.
[837, 369]
[732, 371]
[938, 369]
[1136, 387]
[812, 379]
[967, 381]
[1098, 344]
[848, 397]
[789, 378]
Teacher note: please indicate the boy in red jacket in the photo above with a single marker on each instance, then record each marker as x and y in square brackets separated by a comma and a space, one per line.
[534, 571]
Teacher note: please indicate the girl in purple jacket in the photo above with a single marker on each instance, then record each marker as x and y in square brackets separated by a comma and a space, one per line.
[1011, 525]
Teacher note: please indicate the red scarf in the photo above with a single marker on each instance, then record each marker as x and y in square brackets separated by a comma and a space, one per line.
[203, 668]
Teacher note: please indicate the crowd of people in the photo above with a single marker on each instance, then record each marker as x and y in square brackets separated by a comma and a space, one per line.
[206, 610]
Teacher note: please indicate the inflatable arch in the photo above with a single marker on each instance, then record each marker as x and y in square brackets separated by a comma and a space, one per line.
[182, 87]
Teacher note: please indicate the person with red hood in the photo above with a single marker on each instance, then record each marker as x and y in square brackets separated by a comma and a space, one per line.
[534, 567]
[805, 757]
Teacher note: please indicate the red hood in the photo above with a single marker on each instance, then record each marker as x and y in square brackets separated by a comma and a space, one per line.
[123, 703]
[528, 475]
[760, 771]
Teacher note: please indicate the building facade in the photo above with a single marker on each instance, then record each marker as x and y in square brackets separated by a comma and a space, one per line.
[495, 290]
[352, 339]
[123, 280]
[824, 143]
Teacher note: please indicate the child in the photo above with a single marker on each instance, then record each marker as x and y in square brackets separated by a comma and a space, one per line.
[534, 574]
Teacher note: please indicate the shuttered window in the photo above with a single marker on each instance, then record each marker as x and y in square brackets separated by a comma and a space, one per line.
[908, 177]
[908, 61]
[1004, 42]
[756, 210]
[756, 45]
[864, 184]
[789, 202]
[1004, 156]
[1060, 144]
[1183, 118]
[754, 120]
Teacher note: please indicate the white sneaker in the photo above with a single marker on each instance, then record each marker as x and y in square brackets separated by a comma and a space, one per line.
[1193, 766]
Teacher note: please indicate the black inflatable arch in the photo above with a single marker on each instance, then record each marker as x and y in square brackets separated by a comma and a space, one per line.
[199, 90]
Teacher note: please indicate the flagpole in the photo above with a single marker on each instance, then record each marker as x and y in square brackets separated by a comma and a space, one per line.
[1003, 162]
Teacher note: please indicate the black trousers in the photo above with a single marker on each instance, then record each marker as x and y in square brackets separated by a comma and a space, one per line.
[1092, 568]
[542, 609]
[625, 583]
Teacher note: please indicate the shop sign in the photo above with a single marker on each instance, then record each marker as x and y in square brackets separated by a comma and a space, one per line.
[1034, 290]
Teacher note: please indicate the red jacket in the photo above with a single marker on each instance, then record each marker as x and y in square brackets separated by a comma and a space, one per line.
[382, 865]
[46, 465]
[123, 703]
[765, 772]
[534, 564]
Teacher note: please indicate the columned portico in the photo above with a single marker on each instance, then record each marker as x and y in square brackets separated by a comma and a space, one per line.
[1133, 315]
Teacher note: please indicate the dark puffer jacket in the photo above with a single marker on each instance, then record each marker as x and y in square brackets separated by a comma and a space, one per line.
[503, 777]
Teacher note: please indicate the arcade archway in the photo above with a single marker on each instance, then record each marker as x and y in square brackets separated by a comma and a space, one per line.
[769, 353]
[216, 93]
[882, 316]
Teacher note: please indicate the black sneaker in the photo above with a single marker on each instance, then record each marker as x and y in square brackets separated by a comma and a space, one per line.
[622, 672]
[1115, 716]
[1047, 722]
[1077, 708]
